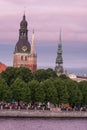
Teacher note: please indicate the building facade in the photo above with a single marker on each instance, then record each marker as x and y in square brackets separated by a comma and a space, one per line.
[24, 53]
[77, 78]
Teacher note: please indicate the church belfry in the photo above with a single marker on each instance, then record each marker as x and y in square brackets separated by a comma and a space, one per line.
[22, 52]
[23, 32]
[59, 59]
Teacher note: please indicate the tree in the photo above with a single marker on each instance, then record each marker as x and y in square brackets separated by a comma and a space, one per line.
[20, 91]
[83, 88]
[37, 92]
[5, 92]
[40, 94]
[62, 93]
[63, 76]
[75, 95]
[24, 74]
[51, 73]
[50, 91]
[11, 74]
[42, 74]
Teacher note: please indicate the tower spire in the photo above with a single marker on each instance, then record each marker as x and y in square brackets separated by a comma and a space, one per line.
[33, 55]
[23, 44]
[24, 11]
[24, 54]
[59, 59]
[33, 43]
[60, 39]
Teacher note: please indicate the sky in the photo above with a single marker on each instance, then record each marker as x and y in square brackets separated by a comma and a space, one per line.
[46, 17]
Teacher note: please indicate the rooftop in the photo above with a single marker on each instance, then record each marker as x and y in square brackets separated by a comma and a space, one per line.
[2, 67]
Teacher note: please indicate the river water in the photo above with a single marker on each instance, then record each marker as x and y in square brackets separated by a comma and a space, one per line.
[42, 124]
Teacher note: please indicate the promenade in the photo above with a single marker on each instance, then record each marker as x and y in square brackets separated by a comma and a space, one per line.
[41, 114]
[34, 111]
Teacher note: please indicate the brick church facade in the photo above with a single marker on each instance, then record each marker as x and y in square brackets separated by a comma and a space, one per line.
[24, 53]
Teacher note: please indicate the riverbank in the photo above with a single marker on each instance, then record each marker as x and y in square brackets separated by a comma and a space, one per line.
[41, 114]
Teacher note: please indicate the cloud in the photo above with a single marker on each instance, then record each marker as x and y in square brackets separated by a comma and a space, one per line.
[46, 17]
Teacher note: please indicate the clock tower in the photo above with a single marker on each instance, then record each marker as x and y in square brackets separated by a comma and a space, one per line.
[22, 50]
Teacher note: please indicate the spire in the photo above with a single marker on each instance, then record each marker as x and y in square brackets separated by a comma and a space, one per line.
[59, 59]
[23, 32]
[60, 39]
[33, 43]
[33, 55]
[24, 17]
[23, 44]
[24, 12]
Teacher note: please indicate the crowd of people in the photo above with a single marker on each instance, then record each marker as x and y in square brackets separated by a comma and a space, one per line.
[39, 106]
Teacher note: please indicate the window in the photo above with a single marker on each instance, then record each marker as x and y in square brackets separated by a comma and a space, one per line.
[25, 58]
[21, 57]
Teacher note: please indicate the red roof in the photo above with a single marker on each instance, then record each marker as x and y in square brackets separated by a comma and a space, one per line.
[2, 67]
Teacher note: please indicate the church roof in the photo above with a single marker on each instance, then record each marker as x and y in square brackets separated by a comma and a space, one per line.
[2, 67]
[23, 45]
[23, 23]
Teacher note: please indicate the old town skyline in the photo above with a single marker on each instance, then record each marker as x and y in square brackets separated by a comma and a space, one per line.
[46, 18]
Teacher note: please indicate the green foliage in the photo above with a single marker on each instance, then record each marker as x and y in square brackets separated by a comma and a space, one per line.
[63, 76]
[75, 95]
[62, 93]
[11, 74]
[51, 73]
[5, 92]
[50, 91]
[41, 86]
[24, 74]
[41, 75]
[37, 93]
[40, 94]
[20, 91]
[83, 89]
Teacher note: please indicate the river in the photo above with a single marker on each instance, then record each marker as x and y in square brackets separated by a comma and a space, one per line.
[42, 124]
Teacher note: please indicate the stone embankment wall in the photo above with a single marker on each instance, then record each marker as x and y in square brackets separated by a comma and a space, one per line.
[42, 114]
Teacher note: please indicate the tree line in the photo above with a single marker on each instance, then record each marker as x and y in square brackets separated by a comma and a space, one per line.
[41, 86]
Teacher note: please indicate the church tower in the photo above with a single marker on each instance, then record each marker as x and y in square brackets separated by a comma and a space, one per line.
[59, 59]
[22, 51]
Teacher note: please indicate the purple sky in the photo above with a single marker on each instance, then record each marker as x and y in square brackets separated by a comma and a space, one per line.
[47, 17]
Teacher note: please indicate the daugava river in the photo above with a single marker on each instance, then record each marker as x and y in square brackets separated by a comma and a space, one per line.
[42, 124]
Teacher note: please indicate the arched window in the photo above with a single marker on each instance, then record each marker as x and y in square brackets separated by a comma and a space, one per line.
[25, 58]
[21, 57]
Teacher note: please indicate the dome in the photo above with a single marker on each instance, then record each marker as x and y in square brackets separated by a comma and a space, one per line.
[23, 46]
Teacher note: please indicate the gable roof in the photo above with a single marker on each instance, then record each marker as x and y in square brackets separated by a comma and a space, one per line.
[2, 67]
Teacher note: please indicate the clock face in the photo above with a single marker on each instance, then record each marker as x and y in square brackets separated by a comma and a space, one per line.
[24, 48]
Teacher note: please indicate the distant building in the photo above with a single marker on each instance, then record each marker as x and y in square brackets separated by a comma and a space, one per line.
[24, 54]
[59, 60]
[2, 67]
[77, 78]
